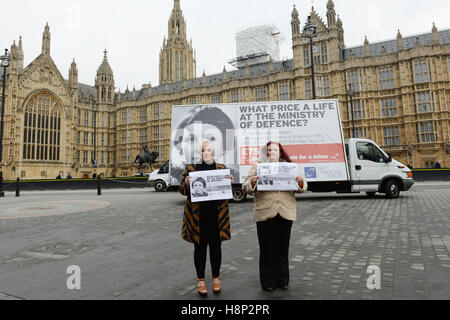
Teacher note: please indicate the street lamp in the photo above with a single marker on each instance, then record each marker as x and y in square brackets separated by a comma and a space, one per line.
[4, 64]
[350, 93]
[310, 31]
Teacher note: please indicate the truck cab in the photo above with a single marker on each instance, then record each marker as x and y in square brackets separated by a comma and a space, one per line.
[372, 170]
[159, 179]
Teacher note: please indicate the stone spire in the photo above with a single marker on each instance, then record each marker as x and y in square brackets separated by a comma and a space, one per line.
[20, 54]
[435, 35]
[176, 5]
[105, 68]
[177, 24]
[331, 15]
[46, 40]
[340, 31]
[366, 47]
[73, 76]
[224, 74]
[295, 23]
[104, 82]
[399, 41]
[176, 58]
[339, 22]
[13, 54]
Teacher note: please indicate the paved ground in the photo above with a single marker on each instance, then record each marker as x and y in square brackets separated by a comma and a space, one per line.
[127, 244]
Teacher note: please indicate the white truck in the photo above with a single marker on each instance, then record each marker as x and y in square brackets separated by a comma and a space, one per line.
[310, 132]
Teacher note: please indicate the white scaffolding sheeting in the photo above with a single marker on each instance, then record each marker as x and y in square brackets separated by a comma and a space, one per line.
[257, 45]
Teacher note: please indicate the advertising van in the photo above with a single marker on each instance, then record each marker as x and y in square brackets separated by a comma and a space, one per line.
[310, 132]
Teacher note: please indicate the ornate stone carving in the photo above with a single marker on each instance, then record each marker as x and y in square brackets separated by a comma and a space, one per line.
[410, 151]
[447, 147]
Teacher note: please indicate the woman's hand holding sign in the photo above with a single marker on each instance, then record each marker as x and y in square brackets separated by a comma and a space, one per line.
[188, 181]
[300, 181]
[254, 180]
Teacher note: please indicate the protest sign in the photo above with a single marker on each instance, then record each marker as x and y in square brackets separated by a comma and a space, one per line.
[210, 185]
[279, 176]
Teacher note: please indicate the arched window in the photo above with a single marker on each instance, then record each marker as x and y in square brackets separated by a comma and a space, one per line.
[42, 128]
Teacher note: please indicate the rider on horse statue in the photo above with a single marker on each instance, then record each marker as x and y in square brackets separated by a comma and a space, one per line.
[146, 157]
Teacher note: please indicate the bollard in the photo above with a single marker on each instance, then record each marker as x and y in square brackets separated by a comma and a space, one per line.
[18, 187]
[99, 188]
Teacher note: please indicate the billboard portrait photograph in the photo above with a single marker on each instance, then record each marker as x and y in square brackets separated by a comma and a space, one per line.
[192, 124]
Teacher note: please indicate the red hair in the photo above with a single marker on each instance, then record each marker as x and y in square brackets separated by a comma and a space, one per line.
[283, 155]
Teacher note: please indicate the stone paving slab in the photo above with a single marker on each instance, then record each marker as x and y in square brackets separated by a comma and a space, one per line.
[132, 249]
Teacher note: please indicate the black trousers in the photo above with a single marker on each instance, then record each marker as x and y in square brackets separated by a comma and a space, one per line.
[274, 237]
[209, 236]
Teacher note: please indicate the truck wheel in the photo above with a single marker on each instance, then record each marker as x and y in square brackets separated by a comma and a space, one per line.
[392, 189]
[238, 194]
[160, 186]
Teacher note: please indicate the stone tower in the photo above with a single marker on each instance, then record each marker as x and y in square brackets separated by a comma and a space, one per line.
[177, 58]
[104, 83]
[331, 15]
[295, 24]
[14, 55]
[20, 54]
[328, 42]
[46, 40]
[73, 76]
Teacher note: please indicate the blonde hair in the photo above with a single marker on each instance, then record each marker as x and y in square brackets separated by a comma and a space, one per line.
[206, 142]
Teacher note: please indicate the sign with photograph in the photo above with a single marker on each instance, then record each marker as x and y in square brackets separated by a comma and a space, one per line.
[309, 130]
[279, 176]
[192, 124]
[210, 185]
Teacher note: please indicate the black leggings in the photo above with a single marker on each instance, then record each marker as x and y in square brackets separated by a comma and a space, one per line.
[209, 235]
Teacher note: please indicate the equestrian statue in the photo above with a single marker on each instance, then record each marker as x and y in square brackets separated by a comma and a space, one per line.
[146, 157]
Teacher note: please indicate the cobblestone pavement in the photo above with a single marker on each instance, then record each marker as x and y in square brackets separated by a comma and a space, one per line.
[130, 247]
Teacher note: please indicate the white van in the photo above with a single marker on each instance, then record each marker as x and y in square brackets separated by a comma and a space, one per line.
[159, 179]
[371, 170]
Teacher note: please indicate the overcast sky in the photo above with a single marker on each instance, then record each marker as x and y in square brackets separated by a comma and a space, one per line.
[133, 31]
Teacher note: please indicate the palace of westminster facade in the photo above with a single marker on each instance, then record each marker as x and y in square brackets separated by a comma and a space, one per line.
[401, 99]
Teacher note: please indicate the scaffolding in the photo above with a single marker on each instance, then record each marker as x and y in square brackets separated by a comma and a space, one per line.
[257, 45]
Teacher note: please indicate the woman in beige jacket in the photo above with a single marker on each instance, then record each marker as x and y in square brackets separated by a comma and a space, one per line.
[274, 213]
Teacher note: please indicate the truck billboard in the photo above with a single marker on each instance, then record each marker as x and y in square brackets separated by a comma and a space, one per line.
[310, 132]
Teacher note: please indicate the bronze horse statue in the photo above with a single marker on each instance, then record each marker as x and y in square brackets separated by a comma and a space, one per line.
[146, 157]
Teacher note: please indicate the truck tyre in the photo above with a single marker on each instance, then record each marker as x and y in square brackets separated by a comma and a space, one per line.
[238, 194]
[392, 189]
[160, 186]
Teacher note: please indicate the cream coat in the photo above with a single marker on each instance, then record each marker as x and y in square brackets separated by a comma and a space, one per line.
[268, 204]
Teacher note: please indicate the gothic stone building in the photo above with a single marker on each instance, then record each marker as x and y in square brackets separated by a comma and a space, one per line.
[401, 99]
